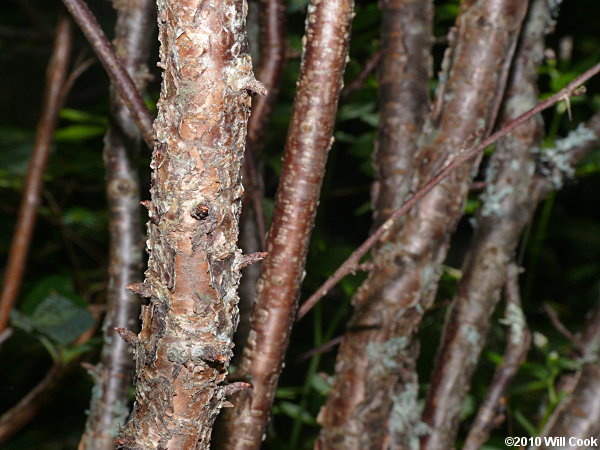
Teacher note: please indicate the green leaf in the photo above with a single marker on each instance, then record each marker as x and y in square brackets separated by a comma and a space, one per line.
[319, 384]
[78, 132]
[60, 319]
[53, 284]
[296, 412]
[77, 116]
[525, 423]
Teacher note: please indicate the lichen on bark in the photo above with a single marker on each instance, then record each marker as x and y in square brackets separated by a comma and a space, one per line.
[184, 347]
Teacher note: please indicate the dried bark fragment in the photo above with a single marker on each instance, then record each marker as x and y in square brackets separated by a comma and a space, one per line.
[185, 344]
[109, 408]
[403, 77]
[309, 139]
[376, 380]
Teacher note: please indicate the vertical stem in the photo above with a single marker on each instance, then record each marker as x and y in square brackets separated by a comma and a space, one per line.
[109, 405]
[309, 139]
[184, 348]
[406, 40]
[508, 205]
[252, 223]
[55, 78]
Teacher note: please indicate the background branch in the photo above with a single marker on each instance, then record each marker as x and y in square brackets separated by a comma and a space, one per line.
[309, 139]
[55, 79]
[119, 77]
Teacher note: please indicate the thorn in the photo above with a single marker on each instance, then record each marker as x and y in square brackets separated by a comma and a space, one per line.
[255, 86]
[147, 204]
[238, 386]
[227, 404]
[142, 289]
[128, 336]
[89, 368]
[252, 258]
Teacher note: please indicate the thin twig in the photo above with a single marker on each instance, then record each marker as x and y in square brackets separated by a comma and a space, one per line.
[560, 327]
[320, 349]
[117, 73]
[349, 264]
[57, 72]
[357, 83]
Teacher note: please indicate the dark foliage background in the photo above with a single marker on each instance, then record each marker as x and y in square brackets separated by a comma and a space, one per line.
[68, 258]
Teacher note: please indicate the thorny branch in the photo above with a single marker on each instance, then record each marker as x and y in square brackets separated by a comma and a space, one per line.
[117, 73]
[55, 79]
[464, 156]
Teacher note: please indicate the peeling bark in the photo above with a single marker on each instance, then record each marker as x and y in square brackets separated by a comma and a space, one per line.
[508, 206]
[376, 379]
[185, 343]
[309, 139]
[109, 408]
[347, 421]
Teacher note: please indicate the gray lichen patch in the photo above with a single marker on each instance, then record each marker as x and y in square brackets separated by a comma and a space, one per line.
[555, 162]
[405, 417]
[387, 355]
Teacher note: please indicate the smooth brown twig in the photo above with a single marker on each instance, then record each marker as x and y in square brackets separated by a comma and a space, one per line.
[57, 72]
[117, 73]
[349, 264]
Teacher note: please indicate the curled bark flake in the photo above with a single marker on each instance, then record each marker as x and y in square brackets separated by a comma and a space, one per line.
[252, 258]
[128, 336]
[144, 290]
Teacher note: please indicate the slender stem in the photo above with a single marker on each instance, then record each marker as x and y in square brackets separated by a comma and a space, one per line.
[117, 73]
[109, 409]
[57, 72]
[349, 265]
[517, 344]
[308, 142]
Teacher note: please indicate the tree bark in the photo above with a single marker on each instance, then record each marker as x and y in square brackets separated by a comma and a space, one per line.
[508, 206]
[183, 350]
[252, 227]
[375, 375]
[404, 100]
[308, 142]
[109, 405]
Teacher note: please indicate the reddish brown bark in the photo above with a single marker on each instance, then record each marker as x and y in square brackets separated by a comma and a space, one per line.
[184, 348]
[309, 139]
[403, 78]
[252, 223]
[109, 408]
[376, 381]
[55, 79]
[507, 207]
